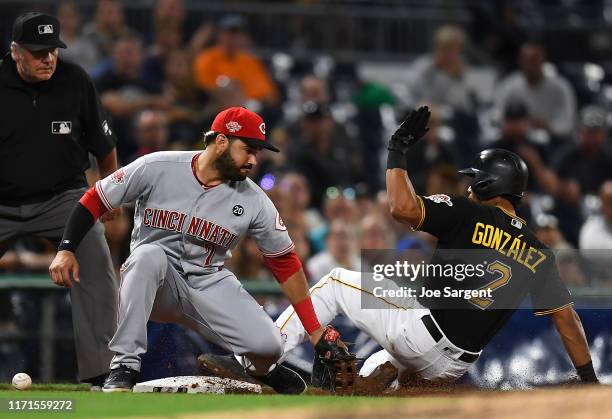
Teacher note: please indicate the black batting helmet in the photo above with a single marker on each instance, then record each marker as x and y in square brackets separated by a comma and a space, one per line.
[497, 172]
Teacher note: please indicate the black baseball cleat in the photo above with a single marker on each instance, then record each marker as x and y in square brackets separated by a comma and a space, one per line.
[224, 366]
[96, 382]
[282, 379]
[120, 379]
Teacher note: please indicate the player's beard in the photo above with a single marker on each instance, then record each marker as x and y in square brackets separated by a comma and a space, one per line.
[227, 167]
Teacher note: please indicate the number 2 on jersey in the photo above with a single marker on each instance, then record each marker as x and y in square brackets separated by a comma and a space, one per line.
[505, 273]
[210, 253]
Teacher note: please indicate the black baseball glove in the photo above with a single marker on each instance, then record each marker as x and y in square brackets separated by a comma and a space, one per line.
[409, 132]
[334, 367]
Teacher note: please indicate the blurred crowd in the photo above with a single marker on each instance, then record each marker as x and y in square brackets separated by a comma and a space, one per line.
[163, 85]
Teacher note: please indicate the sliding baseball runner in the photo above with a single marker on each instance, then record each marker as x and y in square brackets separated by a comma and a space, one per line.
[428, 342]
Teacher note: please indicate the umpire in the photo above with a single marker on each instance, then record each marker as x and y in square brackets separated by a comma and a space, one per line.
[50, 119]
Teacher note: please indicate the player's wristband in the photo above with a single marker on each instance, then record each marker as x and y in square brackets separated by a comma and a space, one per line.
[308, 317]
[79, 223]
[587, 373]
[396, 160]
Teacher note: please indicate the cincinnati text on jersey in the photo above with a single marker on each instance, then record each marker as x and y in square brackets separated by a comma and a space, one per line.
[508, 245]
[198, 227]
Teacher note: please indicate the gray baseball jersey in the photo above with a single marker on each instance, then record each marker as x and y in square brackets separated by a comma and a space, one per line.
[196, 226]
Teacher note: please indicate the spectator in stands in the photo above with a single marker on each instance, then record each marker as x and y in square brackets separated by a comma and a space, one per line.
[596, 233]
[124, 93]
[550, 98]
[374, 233]
[585, 164]
[430, 152]
[151, 132]
[187, 117]
[173, 14]
[302, 246]
[580, 169]
[247, 261]
[170, 14]
[547, 231]
[341, 251]
[226, 94]
[230, 59]
[340, 205]
[440, 77]
[596, 239]
[107, 27]
[314, 89]
[323, 151]
[81, 50]
[166, 40]
[336, 206]
[443, 179]
[516, 137]
[296, 207]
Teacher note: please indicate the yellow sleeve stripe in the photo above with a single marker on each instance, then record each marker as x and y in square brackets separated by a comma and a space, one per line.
[509, 214]
[554, 310]
[422, 205]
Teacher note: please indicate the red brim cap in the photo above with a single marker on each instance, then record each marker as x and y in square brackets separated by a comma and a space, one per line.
[244, 124]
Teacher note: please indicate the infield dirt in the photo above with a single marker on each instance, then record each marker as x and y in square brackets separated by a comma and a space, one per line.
[558, 403]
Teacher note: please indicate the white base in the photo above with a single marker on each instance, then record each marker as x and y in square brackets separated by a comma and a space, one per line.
[196, 384]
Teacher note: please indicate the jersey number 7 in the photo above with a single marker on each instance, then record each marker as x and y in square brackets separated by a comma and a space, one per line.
[210, 253]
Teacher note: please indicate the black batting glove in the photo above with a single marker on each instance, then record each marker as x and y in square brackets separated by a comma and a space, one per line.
[409, 132]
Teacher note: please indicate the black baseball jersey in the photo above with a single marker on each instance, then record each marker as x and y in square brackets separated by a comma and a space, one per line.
[47, 130]
[498, 245]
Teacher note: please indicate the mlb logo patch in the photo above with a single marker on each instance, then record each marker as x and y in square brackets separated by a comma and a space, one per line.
[45, 29]
[61, 127]
[516, 223]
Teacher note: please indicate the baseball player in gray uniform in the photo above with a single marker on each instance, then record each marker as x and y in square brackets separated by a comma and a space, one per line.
[192, 208]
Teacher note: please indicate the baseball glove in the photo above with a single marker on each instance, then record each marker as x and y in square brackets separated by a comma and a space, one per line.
[334, 367]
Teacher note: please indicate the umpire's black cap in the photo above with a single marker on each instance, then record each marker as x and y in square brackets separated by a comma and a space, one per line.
[497, 172]
[37, 31]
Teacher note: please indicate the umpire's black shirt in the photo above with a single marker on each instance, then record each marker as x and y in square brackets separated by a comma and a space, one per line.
[46, 132]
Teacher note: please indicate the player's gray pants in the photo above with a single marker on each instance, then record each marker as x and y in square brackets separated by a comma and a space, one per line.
[398, 329]
[215, 305]
[94, 300]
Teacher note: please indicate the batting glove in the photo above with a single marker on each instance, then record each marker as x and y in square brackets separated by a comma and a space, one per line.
[409, 132]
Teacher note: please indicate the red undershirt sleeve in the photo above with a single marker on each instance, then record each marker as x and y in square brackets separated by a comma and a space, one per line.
[282, 267]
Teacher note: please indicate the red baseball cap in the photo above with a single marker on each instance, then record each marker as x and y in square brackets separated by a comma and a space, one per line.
[244, 124]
